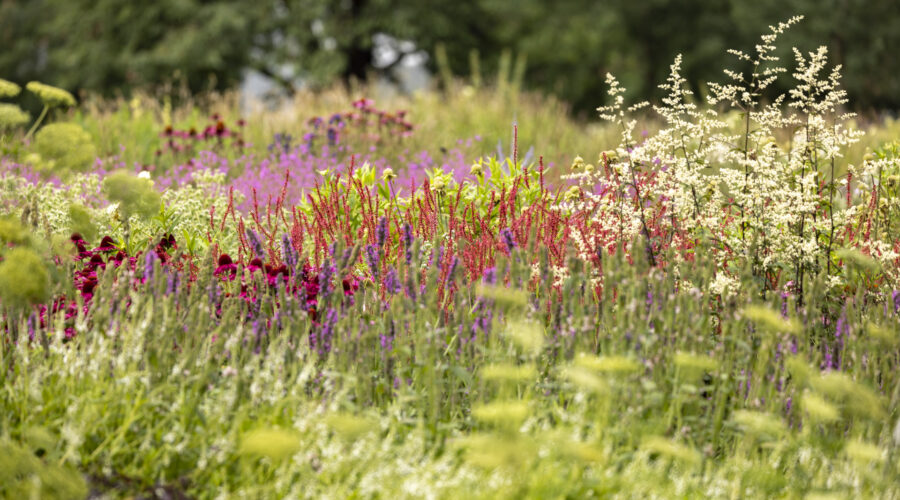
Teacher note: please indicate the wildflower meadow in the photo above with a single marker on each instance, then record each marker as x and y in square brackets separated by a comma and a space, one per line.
[471, 295]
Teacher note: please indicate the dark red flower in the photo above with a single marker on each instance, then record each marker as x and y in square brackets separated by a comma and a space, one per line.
[107, 244]
[87, 289]
[119, 258]
[272, 273]
[351, 285]
[227, 270]
[95, 262]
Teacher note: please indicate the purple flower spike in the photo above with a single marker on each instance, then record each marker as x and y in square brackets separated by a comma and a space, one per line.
[290, 256]
[381, 232]
[372, 259]
[408, 241]
[391, 282]
[149, 258]
[508, 239]
[255, 244]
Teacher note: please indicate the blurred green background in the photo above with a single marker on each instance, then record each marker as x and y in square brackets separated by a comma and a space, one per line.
[562, 47]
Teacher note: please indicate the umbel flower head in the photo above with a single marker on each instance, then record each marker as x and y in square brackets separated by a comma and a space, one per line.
[68, 146]
[11, 116]
[23, 279]
[136, 196]
[8, 89]
[51, 96]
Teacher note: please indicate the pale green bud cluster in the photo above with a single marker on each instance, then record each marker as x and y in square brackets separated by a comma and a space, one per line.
[51, 96]
[8, 89]
[12, 116]
[65, 147]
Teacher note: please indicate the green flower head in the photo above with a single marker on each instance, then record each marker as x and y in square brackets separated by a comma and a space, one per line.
[12, 232]
[8, 88]
[68, 145]
[51, 96]
[24, 279]
[82, 223]
[11, 116]
[135, 195]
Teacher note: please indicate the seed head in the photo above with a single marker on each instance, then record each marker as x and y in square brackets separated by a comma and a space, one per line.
[577, 163]
[611, 156]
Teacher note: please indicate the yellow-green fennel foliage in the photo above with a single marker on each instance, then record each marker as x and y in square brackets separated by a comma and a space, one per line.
[12, 116]
[135, 195]
[82, 223]
[12, 232]
[65, 148]
[8, 89]
[24, 279]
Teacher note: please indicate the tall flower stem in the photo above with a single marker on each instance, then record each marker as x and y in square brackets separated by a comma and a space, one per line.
[37, 122]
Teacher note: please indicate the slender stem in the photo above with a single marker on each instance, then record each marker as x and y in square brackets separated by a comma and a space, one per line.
[37, 122]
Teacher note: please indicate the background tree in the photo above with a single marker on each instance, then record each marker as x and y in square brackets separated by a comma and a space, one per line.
[109, 46]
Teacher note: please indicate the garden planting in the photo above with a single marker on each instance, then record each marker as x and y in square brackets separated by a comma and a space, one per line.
[700, 299]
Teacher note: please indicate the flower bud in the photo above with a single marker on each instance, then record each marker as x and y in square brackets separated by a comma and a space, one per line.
[611, 156]
[577, 163]
[437, 185]
[572, 194]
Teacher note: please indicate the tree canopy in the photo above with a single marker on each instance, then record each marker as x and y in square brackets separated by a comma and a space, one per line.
[110, 46]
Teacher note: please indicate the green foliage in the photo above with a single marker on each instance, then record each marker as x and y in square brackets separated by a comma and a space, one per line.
[82, 223]
[24, 279]
[135, 195]
[114, 44]
[24, 475]
[507, 417]
[65, 148]
[12, 232]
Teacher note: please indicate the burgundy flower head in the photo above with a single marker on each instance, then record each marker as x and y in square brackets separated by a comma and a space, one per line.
[226, 270]
[272, 273]
[351, 285]
[255, 264]
[106, 245]
[119, 258]
[96, 261]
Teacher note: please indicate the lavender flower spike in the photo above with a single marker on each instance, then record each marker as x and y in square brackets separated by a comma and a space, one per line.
[508, 239]
[256, 244]
[372, 259]
[381, 232]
